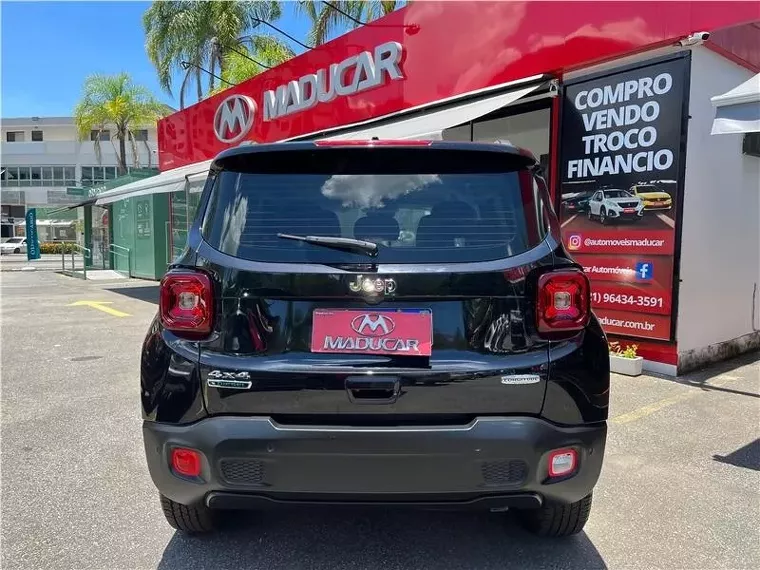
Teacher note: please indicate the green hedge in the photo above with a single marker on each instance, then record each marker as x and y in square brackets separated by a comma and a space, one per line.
[56, 247]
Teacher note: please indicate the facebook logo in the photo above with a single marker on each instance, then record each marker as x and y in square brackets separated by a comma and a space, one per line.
[644, 271]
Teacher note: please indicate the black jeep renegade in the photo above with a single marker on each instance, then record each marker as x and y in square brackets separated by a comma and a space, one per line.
[375, 323]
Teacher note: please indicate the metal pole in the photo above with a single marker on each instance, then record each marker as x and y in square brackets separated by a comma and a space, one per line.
[84, 265]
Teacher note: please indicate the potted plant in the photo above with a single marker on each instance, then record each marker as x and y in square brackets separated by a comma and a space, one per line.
[624, 360]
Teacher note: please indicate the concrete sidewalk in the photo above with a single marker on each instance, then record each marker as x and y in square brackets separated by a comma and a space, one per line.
[48, 262]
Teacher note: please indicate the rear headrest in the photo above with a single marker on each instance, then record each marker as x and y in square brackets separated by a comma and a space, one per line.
[304, 220]
[377, 226]
[453, 210]
[446, 223]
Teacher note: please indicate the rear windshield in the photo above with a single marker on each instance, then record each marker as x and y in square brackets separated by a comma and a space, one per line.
[441, 214]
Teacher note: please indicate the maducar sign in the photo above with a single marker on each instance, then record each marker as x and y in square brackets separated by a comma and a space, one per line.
[352, 75]
[235, 115]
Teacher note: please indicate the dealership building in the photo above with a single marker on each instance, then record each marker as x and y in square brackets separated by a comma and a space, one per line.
[639, 109]
[45, 165]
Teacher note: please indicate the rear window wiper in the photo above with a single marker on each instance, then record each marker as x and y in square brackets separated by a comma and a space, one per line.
[345, 244]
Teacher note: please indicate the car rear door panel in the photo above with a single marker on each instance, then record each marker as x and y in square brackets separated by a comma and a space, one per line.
[484, 340]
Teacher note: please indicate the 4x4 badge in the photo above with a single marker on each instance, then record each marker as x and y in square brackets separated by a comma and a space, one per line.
[231, 380]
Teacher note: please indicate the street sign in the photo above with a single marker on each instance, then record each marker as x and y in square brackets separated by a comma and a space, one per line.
[76, 191]
[32, 240]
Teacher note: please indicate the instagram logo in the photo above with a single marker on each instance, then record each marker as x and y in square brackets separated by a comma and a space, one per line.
[574, 242]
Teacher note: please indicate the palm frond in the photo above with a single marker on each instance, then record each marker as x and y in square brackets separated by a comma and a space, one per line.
[115, 101]
[266, 49]
[337, 16]
[201, 32]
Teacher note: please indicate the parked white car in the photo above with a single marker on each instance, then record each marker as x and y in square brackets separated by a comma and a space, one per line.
[612, 204]
[13, 245]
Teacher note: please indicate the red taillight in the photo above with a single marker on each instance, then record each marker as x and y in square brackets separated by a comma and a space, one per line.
[186, 462]
[562, 462]
[563, 301]
[186, 303]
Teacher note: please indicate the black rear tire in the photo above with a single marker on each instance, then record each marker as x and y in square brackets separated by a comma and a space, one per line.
[557, 520]
[17, 250]
[193, 519]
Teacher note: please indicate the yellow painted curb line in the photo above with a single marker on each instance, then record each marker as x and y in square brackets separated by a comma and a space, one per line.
[667, 402]
[100, 305]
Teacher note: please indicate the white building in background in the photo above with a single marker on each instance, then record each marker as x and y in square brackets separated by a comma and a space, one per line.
[40, 157]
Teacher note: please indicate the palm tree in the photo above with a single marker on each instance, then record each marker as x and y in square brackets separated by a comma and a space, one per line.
[204, 34]
[115, 102]
[245, 61]
[331, 18]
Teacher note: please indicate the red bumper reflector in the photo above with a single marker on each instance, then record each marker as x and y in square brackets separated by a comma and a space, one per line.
[186, 462]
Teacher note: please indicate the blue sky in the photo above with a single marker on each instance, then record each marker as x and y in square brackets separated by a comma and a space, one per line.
[48, 48]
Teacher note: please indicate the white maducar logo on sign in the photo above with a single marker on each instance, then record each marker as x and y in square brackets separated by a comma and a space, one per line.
[234, 118]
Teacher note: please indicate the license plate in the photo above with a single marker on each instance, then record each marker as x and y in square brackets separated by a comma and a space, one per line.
[404, 333]
[629, 210]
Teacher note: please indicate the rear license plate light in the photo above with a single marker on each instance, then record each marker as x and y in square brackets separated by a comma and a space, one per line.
[407, 332]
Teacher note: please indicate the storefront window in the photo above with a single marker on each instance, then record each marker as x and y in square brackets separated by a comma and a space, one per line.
[179, 223]
[526, 130]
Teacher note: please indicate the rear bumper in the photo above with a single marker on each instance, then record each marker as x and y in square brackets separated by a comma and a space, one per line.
[490, 463]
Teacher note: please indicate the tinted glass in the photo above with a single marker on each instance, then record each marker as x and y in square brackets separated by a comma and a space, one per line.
[616, 194]
[414, 218]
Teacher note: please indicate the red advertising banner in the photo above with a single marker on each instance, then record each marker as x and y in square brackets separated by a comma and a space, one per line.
[634, 324]
[620, 240]
[620, 182]
[623, 269]
[631, 298]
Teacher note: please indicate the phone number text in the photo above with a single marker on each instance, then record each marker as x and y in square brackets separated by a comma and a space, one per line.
[645, 301]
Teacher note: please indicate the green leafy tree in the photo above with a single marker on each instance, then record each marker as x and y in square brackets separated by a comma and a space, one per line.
[262, 49]
[114, 102]
[203, 33]
[329, 19]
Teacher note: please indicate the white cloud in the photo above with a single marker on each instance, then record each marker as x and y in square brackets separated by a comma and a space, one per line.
[370, 191]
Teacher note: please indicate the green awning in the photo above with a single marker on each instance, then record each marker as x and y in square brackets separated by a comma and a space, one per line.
[133, 176]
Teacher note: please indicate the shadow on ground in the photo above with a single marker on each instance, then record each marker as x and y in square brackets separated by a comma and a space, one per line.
[746, 456]
[701, 378]
[147, 293]
[337, 539]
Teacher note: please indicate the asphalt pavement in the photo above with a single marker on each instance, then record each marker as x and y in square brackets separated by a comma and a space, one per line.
[679, 488]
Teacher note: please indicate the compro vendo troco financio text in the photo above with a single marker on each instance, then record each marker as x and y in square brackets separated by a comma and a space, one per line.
[634, 124]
